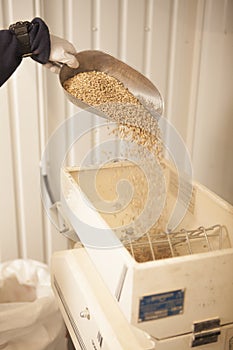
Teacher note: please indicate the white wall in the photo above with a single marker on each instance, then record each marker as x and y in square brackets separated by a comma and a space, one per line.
[183, 46]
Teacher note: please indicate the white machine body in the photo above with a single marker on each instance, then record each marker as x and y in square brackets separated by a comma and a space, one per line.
[111, 301]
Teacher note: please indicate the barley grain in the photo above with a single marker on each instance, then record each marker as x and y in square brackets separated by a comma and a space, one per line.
[96, 88]
[134, 124]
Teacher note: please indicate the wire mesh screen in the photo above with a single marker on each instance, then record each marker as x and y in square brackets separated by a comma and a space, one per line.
[183, 242]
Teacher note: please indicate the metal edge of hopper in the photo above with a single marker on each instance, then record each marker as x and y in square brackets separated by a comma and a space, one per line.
[140, 86]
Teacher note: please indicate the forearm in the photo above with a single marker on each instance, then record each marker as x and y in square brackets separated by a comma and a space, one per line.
[10, 55]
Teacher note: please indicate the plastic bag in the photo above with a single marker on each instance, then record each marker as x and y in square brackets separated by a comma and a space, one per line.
[29, 316]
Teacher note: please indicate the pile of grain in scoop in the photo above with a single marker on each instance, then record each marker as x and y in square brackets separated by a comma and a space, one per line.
[110, 96]
[96, 88]
[134, 122]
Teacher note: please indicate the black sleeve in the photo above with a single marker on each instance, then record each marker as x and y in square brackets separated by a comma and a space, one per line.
[10, 50]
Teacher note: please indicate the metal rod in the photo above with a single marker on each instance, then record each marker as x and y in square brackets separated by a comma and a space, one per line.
[170, 245]
[151, 247]
[187, 240]
[131, 247]
[206, 237]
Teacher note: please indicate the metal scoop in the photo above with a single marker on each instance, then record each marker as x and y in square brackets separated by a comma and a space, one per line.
[141, 87]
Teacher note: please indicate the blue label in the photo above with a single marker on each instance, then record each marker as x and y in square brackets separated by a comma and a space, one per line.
[156, 306]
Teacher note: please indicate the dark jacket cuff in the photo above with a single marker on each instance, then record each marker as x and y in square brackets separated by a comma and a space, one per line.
[39, 40]
[11, 52]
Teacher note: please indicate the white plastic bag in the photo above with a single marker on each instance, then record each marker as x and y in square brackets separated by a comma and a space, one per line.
[29, 316]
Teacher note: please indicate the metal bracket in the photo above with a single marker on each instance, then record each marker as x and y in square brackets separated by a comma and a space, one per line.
[206, 332]
[61, 223]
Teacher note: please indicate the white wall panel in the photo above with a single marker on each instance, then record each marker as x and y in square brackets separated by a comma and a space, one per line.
[25, 144]
[183, 33]
[8, 216]
[109, 26]
[162, 51]
[184, 47]
[213, 144]
[135, 33]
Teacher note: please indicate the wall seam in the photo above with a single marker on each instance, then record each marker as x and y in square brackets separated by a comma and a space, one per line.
[195, 77]
[147, 38]
[122, 30]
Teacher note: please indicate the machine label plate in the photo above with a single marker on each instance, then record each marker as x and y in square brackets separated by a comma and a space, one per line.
[155, 306]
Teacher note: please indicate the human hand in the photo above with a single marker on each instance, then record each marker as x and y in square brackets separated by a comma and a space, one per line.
[62, 51]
